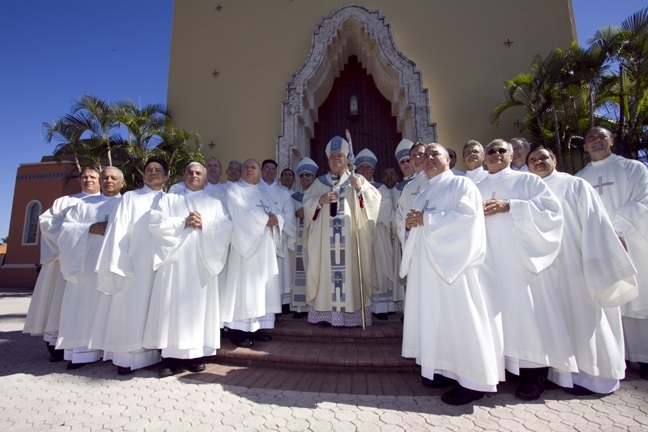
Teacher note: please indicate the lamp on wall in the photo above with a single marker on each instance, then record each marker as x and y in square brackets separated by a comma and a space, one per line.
[353, 102]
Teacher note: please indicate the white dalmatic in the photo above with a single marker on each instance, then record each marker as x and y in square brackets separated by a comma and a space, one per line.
[596, 278]
[447, 325]
[405, 201]
[288, 233]
[79, 253]
[184, 314]
[126, 276]
[299, 260]
[521, 287]
[253, 292]
[385, 279]
[44, 310]
[622, 185]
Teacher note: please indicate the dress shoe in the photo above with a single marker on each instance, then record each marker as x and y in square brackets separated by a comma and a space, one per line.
[300, 315]
[169, 367]
[258, 336]
[243, 343]
[196, 365]
[73, 366]
[461, 396]
[643, 371]
[56, 356]
[578, 391]
[166, 372]
[439, 381]
[532, 385]
[124, 370]
[381, 316]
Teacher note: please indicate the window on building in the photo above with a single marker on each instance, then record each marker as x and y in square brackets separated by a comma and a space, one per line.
[30, 231]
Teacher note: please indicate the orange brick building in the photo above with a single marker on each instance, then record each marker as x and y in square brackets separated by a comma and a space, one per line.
[37, 186]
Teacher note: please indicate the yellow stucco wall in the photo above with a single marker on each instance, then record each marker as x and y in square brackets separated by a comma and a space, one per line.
[256, 46]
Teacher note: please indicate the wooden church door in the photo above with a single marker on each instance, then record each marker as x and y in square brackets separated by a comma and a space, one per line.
[372, 127]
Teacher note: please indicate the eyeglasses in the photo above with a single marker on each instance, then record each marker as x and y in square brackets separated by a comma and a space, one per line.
[496, 151]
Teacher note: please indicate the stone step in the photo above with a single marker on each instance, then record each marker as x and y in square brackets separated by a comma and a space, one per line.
[389, 331]
[299, 345]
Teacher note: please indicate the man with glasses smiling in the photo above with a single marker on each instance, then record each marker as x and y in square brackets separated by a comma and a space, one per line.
[524, 228]
[623, 187]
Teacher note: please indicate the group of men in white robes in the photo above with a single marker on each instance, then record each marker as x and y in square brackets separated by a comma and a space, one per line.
[552, 276]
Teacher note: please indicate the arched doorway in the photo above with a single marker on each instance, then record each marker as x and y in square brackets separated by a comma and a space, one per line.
[352, 31]
[372, 126]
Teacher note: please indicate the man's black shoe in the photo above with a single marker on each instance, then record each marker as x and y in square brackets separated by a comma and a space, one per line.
[643, 371]
[196, 365]
[56, 356]
[532, 385]
[169, 367]
[439, 381]
[461, 396]
[124, 370]
[243, 343]
[300, 315]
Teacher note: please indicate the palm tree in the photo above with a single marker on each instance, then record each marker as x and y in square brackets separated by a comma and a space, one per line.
[123, 134]
[97, 117]
[627, 48]
[66, 133]
[542, 93]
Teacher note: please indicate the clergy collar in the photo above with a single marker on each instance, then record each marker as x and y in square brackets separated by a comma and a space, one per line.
[553, 174]
[440, 177]
[106, 198]
[189, 191]
[506, 172]
[147, 189]
[604, 161]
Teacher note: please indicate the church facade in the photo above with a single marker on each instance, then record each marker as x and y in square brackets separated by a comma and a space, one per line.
[277, 79]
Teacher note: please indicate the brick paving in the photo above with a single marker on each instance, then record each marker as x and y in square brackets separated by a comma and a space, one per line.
[36, 395]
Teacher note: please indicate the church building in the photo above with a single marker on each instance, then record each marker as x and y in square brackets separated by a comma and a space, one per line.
[278, 79]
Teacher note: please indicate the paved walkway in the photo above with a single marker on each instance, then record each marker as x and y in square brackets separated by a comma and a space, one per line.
[37, 395]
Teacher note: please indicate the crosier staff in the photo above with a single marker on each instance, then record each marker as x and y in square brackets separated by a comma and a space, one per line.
[351, 164]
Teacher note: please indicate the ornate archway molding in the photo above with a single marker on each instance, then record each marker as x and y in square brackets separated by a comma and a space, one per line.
[352, 30]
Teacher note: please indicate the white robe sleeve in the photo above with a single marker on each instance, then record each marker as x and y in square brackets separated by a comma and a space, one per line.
[607, 267]
[73, 245]
[538, 225]
[215, 237]
[114, 263]
[167, 226]
[250, 221]
[633, 215]
[454, 236]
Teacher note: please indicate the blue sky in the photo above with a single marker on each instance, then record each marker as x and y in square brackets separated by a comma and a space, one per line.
[55, 51]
